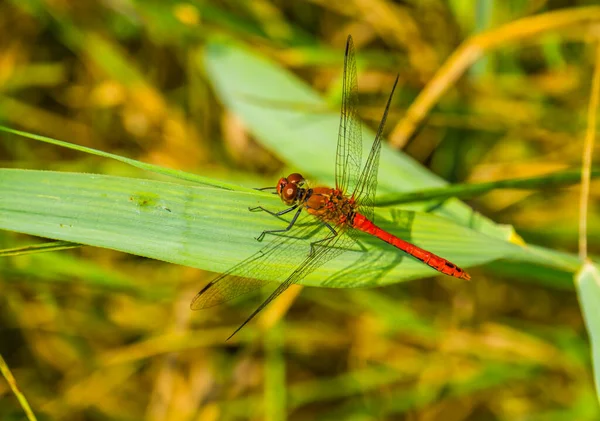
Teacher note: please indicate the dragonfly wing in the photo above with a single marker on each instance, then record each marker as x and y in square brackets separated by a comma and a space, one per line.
[280, 289]
[349, 147]
[322, 254]
[366, 188]
[275, 260]
[224, 288]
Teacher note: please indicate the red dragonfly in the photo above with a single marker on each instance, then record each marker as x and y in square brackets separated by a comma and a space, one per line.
[343, 214]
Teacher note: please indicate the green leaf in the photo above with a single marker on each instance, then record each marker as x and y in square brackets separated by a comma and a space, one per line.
[212, 229]
[588, 287]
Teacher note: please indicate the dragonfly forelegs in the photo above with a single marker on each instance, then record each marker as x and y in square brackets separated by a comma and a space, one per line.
[277, 214]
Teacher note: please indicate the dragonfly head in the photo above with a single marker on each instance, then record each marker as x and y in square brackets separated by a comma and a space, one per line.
[288, 188]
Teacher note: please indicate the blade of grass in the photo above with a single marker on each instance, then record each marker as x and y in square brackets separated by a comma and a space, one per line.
[142, 165]
[588, 279]
[588, 149]
[39, 248]
[588, 288]
[212, 229]
[12, 383]
[463, 191]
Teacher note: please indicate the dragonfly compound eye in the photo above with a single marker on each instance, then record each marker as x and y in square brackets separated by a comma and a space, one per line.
[296, 178]
[281, 185]
[288, 194]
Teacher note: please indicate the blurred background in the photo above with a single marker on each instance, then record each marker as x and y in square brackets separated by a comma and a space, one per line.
[93, 334]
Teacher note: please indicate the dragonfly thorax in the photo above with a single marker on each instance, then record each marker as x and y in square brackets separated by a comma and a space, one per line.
[330, 205]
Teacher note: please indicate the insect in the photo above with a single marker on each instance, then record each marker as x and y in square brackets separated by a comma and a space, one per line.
[344, 211]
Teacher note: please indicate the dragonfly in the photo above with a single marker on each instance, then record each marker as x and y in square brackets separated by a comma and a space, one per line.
[343, 212]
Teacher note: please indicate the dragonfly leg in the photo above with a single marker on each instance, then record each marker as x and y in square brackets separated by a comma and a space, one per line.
[291, 224]
[277, 214]
[265, 188]
[333, 235]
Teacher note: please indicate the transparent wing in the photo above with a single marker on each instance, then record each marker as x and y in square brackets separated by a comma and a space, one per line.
[364, 194]
[226, 286]
[349, 147]
[281, 256]
[324, 252]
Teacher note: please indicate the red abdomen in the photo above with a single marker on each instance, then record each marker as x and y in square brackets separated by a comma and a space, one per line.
[438, 263]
